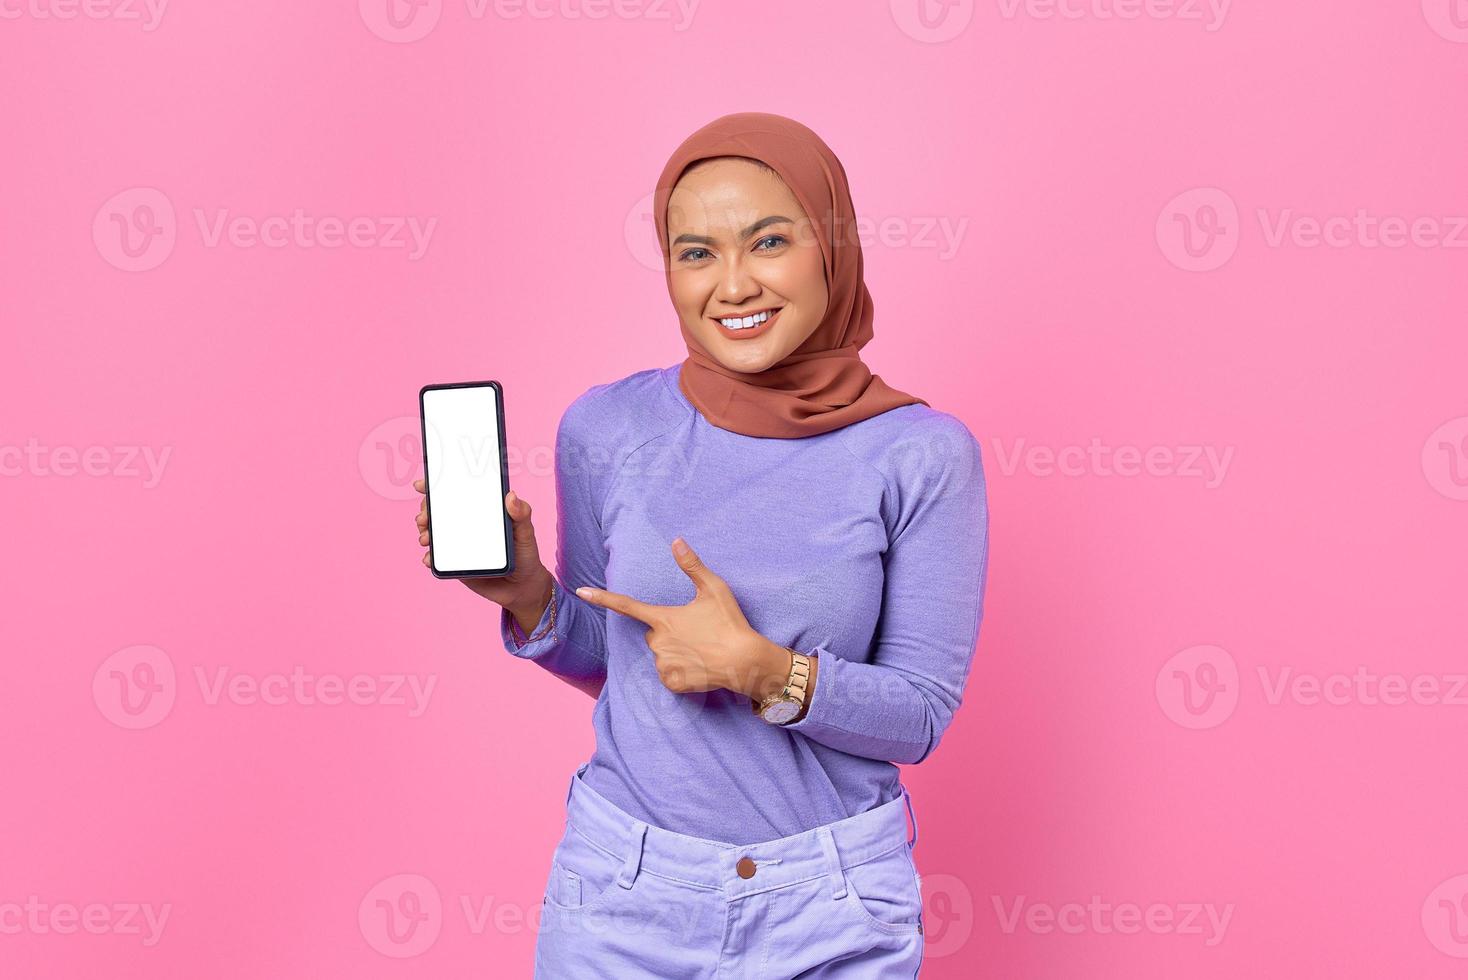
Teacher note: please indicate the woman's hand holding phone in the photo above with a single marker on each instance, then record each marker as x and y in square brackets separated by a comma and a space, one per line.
[526, 591]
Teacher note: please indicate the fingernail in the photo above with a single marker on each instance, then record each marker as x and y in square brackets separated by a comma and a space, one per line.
[583, 592]
[680, 546]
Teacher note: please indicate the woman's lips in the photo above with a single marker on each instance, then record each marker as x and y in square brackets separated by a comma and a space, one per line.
[751, 332]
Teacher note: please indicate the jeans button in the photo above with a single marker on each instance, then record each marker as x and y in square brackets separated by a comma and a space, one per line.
[745, 867]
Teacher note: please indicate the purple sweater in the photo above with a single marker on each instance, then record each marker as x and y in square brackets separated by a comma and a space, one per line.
[866, 546]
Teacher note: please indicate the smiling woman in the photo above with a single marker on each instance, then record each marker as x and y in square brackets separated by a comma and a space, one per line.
[770, 625]
[733, 285]
[741, 241]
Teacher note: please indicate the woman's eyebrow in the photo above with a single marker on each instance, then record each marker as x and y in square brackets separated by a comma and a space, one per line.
[773, 219]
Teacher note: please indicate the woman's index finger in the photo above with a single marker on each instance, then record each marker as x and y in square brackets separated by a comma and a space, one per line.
[624, 604]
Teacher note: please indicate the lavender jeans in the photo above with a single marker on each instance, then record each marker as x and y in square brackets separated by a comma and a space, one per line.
[627, 899]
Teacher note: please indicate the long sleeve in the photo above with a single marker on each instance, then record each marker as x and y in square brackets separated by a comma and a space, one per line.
[896, 704]
[576, 651]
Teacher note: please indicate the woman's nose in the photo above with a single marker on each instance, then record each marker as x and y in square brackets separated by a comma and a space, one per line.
[736, 284]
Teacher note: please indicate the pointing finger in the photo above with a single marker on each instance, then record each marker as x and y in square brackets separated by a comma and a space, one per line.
[624, 604]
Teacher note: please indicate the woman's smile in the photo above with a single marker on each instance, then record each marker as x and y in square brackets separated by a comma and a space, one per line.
[751, 324]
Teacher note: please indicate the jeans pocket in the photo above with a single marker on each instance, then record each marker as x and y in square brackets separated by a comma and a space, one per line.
[885, 890]
[583, 873]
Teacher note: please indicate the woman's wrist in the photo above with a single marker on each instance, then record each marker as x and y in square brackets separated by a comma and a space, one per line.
[767, 670]
[528, 614]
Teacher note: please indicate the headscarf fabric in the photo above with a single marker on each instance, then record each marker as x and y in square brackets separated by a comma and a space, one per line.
[823, 384]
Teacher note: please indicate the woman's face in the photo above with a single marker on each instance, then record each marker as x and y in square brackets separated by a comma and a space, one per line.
[740, 244]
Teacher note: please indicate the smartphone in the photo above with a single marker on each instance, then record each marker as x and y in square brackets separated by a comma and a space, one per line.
[464, 470]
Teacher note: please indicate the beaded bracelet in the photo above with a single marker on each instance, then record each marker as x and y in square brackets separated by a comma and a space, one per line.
[550, 627]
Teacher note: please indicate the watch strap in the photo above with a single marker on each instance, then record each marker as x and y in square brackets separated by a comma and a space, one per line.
[796, 687]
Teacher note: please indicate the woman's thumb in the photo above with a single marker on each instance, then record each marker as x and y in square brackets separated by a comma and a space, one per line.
[519, 511]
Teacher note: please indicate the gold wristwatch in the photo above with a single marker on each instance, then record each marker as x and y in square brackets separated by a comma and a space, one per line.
[788, 702]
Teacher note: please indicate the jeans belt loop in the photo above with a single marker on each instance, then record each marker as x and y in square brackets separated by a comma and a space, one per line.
[833, 862]
[580, 771]
[633, 864]
[912, 815]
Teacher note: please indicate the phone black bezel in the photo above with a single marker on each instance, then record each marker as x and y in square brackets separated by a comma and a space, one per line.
[504, 480]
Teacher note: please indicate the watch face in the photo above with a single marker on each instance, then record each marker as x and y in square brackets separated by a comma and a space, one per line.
[780, 712]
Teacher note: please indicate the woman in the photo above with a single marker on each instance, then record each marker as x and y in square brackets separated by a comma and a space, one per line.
[778, 564]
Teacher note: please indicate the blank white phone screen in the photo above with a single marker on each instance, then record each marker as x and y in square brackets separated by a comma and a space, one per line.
[466, 498]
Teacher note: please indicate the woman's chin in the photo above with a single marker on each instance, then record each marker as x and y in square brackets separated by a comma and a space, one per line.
[749, 357]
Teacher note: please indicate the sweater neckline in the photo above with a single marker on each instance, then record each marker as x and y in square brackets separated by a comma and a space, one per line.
[671, 376]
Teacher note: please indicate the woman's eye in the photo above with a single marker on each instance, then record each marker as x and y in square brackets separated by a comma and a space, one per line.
[693, 254]
[777, 239]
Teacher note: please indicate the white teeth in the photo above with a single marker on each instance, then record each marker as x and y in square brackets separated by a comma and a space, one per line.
[744, 323]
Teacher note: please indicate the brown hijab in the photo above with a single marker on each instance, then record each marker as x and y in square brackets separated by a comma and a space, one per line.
[822, 384]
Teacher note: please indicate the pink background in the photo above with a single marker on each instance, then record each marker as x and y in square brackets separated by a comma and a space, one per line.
[1131, 203]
